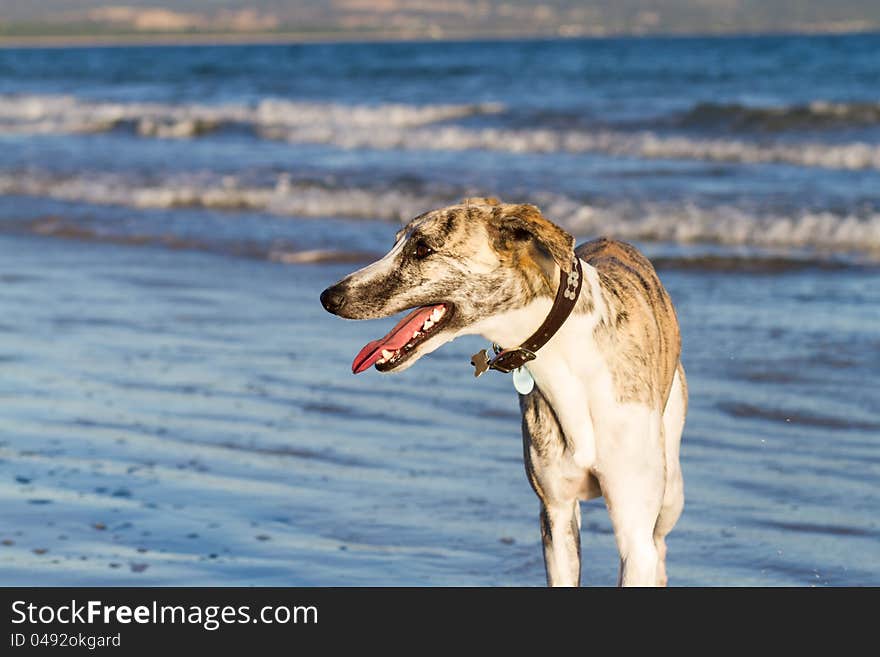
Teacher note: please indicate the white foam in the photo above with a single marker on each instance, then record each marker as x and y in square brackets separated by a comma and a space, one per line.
[409, 127]
[60, 114]
[675, 221]
[725, 224]
[282, 112]
[648, 145]
[222, 193]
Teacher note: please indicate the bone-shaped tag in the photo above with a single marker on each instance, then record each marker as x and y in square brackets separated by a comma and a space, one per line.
[480, 361]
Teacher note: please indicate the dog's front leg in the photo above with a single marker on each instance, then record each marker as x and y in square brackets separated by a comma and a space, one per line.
[549, 471]
[561, 535]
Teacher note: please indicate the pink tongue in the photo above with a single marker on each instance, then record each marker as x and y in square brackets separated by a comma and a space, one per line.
[396, 338]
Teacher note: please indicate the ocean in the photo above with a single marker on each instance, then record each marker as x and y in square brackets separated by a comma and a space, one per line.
[177, 408]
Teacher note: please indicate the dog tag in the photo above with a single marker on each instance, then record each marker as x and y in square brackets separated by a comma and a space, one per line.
[480, 361]
[523, 381]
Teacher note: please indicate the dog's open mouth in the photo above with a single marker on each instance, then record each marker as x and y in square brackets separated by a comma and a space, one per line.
[390, 351]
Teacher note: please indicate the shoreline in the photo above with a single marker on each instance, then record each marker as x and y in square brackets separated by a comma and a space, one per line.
[172, 39]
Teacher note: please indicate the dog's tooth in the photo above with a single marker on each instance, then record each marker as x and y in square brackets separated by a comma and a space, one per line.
[416, 334]
[436, 315]
[428, 324]
[386, 354]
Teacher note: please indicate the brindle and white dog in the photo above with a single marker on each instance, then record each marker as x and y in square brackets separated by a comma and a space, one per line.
[607, 410]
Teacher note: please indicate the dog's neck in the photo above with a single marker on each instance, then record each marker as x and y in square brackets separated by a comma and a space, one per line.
[565, 366]
[511, 328]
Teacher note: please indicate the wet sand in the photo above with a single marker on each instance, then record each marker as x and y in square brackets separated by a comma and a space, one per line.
[175, 417]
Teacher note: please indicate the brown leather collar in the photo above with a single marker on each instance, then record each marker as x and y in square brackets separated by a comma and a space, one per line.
[507, 360]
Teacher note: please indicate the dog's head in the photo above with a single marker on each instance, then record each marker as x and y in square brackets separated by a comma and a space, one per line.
[453, 266]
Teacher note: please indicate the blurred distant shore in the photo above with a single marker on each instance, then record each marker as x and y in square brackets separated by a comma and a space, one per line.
[96, 22]
[265, 38]
[253, 38]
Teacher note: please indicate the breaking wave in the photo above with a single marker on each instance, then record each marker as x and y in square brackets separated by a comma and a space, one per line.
[681, 222]
[647, 145]
[427, 127]
[283, 198]
[21, 114]
[723, 224]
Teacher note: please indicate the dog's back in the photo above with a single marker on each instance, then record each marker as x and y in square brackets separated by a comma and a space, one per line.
[639, 334]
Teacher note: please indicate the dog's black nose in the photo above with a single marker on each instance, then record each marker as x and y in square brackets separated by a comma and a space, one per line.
[332, 299]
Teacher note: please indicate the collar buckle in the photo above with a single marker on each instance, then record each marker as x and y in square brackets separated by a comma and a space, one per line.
[505, 360]
[511, 359]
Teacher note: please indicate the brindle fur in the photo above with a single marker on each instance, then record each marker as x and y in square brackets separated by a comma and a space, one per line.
[492, 259]
[640, 332]
[526, 244]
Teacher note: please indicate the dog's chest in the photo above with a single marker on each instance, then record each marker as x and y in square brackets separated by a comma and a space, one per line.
[575, 381]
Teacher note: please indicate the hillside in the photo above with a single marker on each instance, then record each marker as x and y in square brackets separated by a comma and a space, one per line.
[437, 18]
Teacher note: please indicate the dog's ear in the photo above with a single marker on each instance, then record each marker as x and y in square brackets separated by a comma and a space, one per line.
[524, 225]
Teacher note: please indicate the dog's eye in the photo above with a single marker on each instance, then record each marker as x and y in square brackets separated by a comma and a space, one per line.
[422, 251]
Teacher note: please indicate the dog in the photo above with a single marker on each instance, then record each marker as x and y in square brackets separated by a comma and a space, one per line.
[604, 400]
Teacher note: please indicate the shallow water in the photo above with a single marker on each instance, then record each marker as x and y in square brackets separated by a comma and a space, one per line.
[179, 417]
[176, 407]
